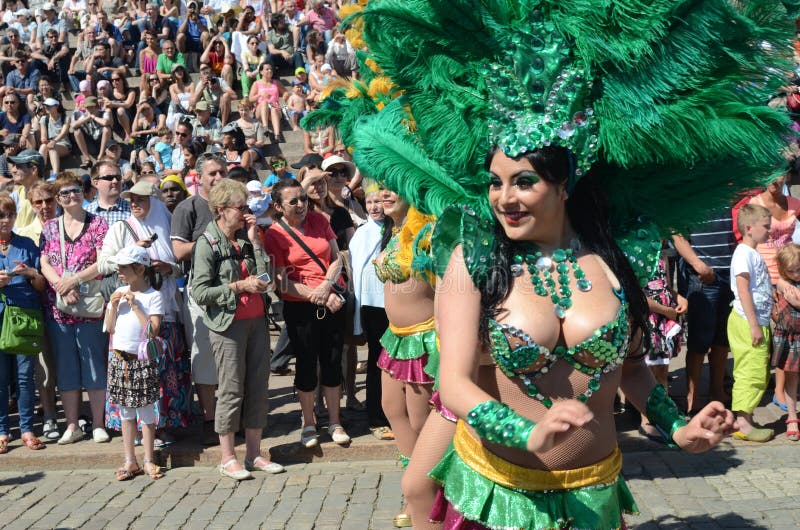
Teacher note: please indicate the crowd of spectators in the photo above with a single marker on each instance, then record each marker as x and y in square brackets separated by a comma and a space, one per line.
[171, 164]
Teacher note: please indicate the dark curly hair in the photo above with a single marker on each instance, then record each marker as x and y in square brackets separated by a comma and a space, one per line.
[587, 210]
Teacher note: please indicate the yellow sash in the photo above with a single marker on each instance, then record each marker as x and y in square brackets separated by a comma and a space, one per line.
[511, 475]
[411, 330]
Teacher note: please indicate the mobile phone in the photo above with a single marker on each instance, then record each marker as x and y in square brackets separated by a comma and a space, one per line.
[153, 237]
[264, 277]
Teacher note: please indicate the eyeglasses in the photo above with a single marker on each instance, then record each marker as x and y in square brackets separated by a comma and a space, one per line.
[338, 173]
[153, 80]
[278, 165]
[181, 134]
[298, 200]
[253, 42]
[71, 191]
[242, 209]
[148, 172]
[5, 215]
[40, 202]
[111, 178]
[9, 102]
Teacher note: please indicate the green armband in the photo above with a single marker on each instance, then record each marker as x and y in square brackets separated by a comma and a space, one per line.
[497, 423]
[663, 414]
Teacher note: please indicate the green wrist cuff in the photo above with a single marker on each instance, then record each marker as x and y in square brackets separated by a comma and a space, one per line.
[663, 413]
[498, 423]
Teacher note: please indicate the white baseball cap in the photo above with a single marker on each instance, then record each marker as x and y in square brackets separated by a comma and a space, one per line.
[130, 255]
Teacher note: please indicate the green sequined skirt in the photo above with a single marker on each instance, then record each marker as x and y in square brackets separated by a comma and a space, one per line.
[479, 499]
[409, 347]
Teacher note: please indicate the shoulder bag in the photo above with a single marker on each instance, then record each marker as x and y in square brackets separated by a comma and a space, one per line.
[91, 303]
[343, 292]
[22, 331]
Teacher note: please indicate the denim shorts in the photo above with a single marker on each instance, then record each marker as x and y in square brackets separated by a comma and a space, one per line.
[709, 307]
[80, 352]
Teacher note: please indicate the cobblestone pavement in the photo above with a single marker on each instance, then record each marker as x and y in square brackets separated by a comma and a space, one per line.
[738, 486]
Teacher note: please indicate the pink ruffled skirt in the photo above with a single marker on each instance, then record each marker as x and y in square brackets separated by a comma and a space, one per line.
[436, 402]
[410, 371]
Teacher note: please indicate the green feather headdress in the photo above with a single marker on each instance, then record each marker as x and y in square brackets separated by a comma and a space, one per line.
[664, 100]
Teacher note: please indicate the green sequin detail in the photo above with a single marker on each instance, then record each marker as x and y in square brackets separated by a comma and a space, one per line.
[498, 423]
[663, 413]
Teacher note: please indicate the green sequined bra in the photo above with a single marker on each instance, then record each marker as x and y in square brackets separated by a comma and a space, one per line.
[518, 355]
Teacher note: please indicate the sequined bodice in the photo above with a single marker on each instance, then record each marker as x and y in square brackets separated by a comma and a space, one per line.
[387, 269]
[518, 355]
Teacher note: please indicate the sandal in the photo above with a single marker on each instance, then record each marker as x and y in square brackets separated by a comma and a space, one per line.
[33, 443]
[3, 446]
[154, 471]
[124, 473]
[86, 163]
[382, 433]
[792, 434]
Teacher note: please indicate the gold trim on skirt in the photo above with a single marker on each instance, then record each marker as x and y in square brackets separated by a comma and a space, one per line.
[509, 475]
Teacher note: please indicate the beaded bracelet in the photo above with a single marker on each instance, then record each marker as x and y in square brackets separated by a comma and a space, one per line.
[497, 423]
[663, 414]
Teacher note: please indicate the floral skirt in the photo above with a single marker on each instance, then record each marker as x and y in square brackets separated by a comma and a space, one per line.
[131, 382]
[174, 405]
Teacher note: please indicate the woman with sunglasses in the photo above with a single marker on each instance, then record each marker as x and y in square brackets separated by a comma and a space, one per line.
[146, 124]
[148, 58]
[232, 292]
[121, 101]
[252, 59]
[180, 91]
[79, 344]
[156, 91]
[311, 303]
[255, 134]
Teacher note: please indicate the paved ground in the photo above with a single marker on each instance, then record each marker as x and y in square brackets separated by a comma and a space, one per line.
[731, 487]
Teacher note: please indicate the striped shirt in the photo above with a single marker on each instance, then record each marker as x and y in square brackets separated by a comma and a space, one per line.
[713, 241]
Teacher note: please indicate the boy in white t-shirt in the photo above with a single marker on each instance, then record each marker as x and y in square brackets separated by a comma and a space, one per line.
[748, 323]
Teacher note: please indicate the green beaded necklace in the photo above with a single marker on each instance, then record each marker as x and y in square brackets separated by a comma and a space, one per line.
[541, 269]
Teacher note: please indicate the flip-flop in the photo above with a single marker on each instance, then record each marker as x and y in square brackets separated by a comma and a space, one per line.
[33, 443]
[127, 474]
[155, 472]
[3, 446]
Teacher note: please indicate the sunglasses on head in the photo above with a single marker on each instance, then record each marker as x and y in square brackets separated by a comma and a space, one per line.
[298, 200]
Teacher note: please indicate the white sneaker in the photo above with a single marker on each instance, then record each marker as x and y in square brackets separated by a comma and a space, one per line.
[308, 436]
[70, 436]
[340, 438]
[99, 435]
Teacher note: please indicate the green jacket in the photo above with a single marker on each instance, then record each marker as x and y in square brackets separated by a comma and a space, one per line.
[213, 271]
